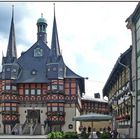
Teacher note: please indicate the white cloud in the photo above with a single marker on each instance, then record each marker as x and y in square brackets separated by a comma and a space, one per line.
[91, 34]
[3, 48]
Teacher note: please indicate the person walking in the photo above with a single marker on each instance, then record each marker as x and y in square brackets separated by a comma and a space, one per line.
[114, 134]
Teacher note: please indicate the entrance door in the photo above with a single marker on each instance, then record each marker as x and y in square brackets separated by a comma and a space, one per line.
[33, 116]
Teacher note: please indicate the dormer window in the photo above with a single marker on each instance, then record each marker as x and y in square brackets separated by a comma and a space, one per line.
[14, 70]
[34, 72]
[3, 69]
[60, 69]
[8, 69]
[49, 68]
[54, 68]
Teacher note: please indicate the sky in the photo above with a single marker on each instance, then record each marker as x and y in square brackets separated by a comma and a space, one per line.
[92, 35]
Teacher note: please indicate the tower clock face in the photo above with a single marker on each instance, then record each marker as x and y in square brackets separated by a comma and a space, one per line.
[38, 52]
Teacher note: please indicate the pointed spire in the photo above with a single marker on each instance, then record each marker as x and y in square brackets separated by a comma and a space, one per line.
[41, 15]
[54, 8]
[2, 57]
[11, 50]
[55, 49]
[12, 11]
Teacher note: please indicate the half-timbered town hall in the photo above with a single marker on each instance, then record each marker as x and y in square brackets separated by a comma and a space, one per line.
[38, 92]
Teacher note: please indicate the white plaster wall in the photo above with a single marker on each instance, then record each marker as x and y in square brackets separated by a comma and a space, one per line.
[138, 136]
[123, 133]
[133, 65]
[70, 113]
[138, 111]
[77, 122]
[43, 115]
[22, 113]
[1, 125]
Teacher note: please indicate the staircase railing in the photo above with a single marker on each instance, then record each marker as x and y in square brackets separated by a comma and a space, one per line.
[34, 127]
[46, 129]
[37, 129]
[16, 128]
[26, 128]
[24, 124]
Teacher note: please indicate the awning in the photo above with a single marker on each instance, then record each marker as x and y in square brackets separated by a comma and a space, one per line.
[93, 117]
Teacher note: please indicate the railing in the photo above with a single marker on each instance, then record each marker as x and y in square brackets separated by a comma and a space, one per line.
[60, 113]
[34, 127]
[24, 124]
[16, 127]
[46, 129]
[56, 100]
[56, 92]
[37, 129]
[9, 112]
[26, 128]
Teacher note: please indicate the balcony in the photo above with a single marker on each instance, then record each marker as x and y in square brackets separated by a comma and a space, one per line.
[55, 98]
[9, 101]
[55, 113]
[10, 121]
[9, 113]
[13, 92]
[56, 92]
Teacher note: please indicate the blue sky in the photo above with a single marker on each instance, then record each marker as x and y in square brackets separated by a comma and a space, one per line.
[92, 35]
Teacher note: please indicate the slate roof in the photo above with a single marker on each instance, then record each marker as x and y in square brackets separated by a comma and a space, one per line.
[70, 74]
[135, 15]
[33, 69]
[39, 69]
[81, 80]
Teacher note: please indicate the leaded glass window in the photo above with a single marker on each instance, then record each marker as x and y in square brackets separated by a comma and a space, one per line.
[26, 91]
[32, 91]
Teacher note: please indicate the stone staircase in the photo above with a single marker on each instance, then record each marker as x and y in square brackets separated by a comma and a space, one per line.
[16, 128]
[46, 129]
[37, 129]
[26, 129]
